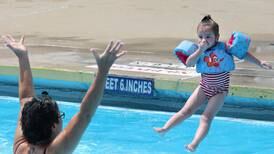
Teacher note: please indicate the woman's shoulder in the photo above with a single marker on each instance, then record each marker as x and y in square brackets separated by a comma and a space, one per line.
[20, 145]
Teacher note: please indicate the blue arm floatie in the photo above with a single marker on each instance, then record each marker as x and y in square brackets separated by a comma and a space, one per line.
[184, 50]
[238, 44]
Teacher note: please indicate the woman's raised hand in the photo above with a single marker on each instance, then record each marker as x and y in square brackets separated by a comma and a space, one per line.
[108, 57]
[17, 47]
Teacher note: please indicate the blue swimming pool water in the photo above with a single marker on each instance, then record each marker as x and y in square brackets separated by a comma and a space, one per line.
[124, 131]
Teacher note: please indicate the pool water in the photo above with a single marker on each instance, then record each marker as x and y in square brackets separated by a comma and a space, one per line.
[126, 131]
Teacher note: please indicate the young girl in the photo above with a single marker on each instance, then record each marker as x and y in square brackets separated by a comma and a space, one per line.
[214, 83]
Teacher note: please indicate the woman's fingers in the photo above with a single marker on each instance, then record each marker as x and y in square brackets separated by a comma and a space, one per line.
[109, 47]
[6, 39]
[95, 54]
[119, 47]
[11, 38]
[116, 47]
[121, 54]
[10, 41]
[112, 52]
[22, 39]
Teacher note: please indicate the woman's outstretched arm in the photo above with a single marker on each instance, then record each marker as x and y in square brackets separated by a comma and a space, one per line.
[69, 138]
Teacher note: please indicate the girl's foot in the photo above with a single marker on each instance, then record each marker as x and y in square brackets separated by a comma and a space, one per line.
[190, 148]
[159, 130]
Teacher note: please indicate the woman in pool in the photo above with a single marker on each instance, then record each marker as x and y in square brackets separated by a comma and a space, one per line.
[39, 128]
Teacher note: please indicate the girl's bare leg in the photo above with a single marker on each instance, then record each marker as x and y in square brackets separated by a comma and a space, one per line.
[214, 105]
[193, 103]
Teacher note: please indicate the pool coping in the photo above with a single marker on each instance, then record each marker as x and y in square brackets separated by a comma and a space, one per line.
[168, 93]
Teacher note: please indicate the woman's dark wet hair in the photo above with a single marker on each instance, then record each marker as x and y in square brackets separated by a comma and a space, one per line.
[38, 118]
[208, 21]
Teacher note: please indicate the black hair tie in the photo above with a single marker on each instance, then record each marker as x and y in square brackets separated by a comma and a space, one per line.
[206, 18]
[44, 93]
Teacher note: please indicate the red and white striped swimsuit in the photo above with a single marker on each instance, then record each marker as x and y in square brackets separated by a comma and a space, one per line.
[213, 84]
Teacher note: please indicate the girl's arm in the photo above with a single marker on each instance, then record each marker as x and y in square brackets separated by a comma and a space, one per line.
[252, 59]
[192, 59]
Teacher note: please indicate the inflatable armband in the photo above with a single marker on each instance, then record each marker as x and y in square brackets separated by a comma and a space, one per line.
[238, 44]
[184, 50]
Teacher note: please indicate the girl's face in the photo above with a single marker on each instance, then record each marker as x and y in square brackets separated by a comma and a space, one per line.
[206, 36]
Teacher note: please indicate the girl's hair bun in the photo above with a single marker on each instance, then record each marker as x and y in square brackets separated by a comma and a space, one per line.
[206, 18]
